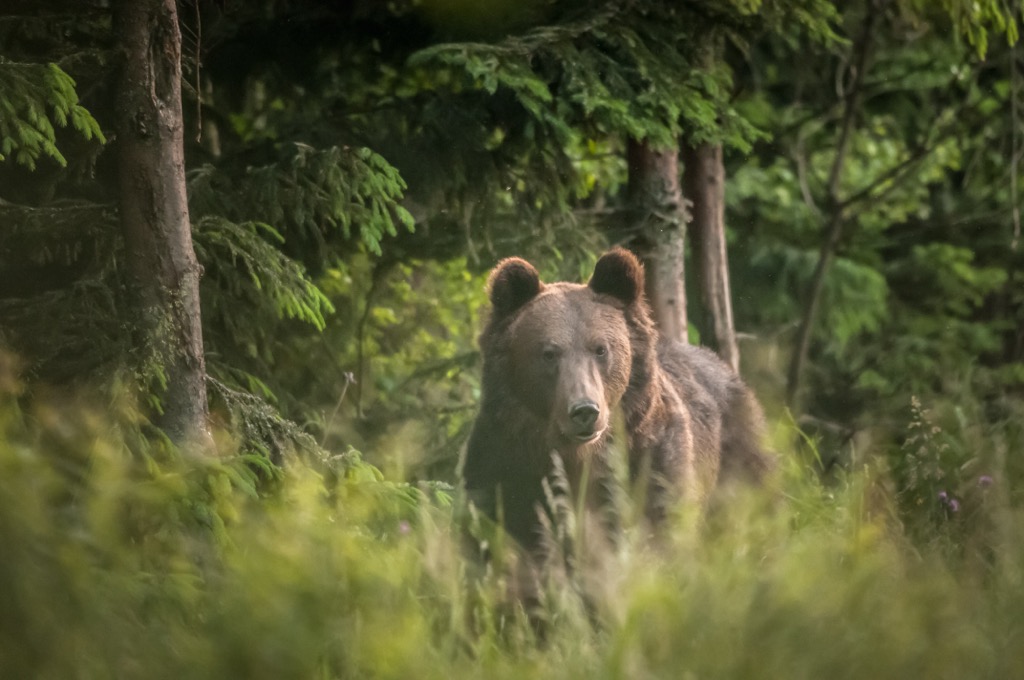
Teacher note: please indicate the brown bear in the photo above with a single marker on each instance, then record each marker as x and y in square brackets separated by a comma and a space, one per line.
[559, 359]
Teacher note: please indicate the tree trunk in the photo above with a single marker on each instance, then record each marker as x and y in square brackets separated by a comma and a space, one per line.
[704, 187]
[659, 230]
[834, 216]
[160, 260]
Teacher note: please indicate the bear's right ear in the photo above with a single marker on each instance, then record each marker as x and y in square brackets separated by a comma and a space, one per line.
[618, 273]
[512, 284]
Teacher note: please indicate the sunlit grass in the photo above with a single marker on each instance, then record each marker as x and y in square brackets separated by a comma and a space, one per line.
[120, 566]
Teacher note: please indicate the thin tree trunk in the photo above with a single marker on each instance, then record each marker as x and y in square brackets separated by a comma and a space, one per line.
[1014, 346]
[835, 221]
[704, 187]
[834, 232]
[160, 260]
[659, 232]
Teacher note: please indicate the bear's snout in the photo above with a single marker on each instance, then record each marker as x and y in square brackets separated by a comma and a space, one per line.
[583, 416]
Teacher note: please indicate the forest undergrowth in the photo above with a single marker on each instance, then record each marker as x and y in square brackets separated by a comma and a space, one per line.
[125, 559]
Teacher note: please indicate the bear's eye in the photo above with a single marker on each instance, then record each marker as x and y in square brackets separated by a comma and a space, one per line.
[550, 355]
[600, 350]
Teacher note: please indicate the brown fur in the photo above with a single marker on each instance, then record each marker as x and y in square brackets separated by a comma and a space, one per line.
[553, 353]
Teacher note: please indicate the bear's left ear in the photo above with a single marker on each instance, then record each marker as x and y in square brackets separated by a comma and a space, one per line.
[512, 284]
[619, 273]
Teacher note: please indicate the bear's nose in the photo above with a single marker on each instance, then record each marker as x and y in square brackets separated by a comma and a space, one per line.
[584, 415]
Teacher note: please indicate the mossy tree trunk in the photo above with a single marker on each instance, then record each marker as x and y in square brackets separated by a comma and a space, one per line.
[160, 260]
[704, 187]
[659, 229]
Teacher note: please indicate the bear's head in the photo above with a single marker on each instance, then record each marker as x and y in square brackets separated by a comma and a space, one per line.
[564, 351]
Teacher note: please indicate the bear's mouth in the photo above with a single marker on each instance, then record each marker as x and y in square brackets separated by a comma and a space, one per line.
[586, 438]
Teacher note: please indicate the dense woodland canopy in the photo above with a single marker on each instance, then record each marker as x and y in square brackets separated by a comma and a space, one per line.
[826, 192]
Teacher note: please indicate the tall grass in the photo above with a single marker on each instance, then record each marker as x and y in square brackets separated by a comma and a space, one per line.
[120, 565]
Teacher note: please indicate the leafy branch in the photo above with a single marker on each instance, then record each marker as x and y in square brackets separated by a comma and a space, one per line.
[309, 193]
[32, 95]
[241, 258]
[627, 69]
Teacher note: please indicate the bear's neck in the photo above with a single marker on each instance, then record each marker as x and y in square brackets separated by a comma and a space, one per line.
[645, 403]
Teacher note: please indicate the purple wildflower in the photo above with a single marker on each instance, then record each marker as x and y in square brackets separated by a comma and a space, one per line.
[951, 504]
[403, 527]
[985, 481]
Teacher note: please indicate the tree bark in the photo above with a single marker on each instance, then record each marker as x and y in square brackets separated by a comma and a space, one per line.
[658, 231]
[704, 187]
[160, 260]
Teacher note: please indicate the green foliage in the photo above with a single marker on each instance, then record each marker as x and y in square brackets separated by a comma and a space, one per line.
[975, 20]
[74, 333]
[413, 360]
[615, 71]
[955, 285]
[294, 216]
[31, 96]
[931, 333]
[245, 265]
[937, 473]
[309, 193]
[855, 297]
[918, 298]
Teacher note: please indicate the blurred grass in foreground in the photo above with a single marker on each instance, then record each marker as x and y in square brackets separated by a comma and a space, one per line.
[154, 565]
